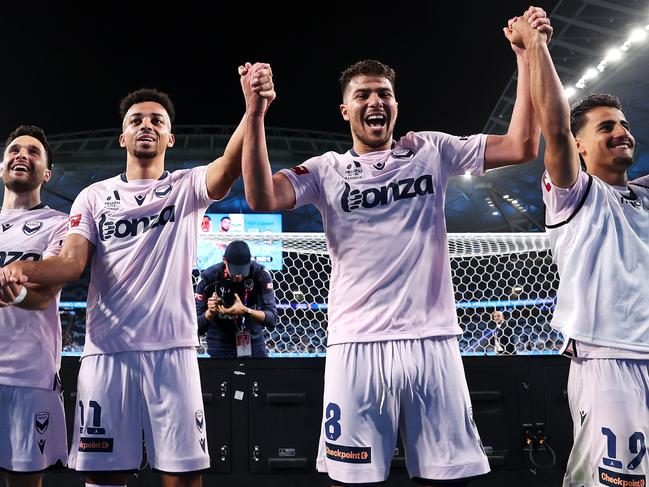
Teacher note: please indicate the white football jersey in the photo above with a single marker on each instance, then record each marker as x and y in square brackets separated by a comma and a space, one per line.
[599, 235]
[140, 295]
[30, 341]
[383, 216]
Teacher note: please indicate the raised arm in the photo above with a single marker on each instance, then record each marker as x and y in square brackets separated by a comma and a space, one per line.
[551, 108]
[264, 191]
[521, 142]
[224, 171]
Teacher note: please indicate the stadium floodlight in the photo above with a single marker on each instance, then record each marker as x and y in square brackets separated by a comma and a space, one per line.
[613, 55]
[638, 35]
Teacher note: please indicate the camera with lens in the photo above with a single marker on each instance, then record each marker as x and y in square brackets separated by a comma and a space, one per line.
[228, 299]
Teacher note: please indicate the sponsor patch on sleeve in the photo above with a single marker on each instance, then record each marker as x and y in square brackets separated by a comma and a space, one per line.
[199, 297]
[74, 221]
[300, 170]
[269, 285]
[349, 454]
[546, 183]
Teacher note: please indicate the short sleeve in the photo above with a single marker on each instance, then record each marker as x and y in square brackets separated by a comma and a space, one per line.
[82, 221]
[562, 203]
[306, 182]
[56, 241]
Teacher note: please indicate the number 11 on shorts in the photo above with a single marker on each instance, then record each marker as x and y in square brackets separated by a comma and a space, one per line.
[96, 428]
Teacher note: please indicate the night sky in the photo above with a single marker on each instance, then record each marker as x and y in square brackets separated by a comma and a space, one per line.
[66, 69]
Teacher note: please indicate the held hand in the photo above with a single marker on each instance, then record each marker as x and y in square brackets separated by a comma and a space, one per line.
[538, 19]
[257, 85]
[533, 22]
[11, 283]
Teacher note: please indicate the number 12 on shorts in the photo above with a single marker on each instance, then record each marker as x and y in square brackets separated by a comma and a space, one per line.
[636, 446]
[96, 428]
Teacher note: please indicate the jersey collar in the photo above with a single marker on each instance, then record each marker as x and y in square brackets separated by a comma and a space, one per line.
[125, 179]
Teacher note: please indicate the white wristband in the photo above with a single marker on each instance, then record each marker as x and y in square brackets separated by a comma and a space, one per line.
[21, 296]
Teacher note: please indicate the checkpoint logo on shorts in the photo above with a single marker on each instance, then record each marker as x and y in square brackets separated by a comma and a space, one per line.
[616, 479]
[349, 454]
[95, 445]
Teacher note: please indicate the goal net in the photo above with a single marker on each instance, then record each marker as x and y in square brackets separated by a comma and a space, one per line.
[505, 287]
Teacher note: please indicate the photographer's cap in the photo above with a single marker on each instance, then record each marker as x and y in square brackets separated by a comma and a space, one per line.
[237, 254]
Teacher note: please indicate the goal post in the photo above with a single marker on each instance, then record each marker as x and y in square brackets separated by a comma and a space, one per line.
[508, 272]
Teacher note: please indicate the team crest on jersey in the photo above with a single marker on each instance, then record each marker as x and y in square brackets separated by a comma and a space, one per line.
[31, 227]
[42, 421]
[6, 226]
[200, 421]
[402, 153]
[139, 198]
[354, 171]
[300, 170]
[162, 191]
[248, 284]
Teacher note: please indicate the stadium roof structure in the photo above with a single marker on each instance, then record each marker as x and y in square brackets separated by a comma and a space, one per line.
[83, 158]
[504, 200]
[585, 32]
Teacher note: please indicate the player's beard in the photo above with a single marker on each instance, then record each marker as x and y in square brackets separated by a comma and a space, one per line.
[145, 154]
[372, 142]
[21, 186]
[623, 161]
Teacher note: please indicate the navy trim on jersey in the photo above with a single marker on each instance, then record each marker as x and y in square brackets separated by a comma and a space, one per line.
[581, 203]
[639, 185]
[37, 207]
[125, 179]
[355, 154]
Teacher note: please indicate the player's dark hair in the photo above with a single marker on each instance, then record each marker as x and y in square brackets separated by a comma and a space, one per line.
[366, 67]
[36, 132]
[147, 94]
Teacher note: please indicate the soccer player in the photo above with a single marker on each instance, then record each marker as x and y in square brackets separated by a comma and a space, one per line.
[32, 428]
[139, 370]
[393, 359]
[598, 225]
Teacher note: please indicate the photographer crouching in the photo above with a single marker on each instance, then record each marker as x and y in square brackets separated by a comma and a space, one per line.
[234, 301]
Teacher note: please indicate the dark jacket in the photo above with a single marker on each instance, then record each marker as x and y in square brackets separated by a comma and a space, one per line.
[222, 330]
